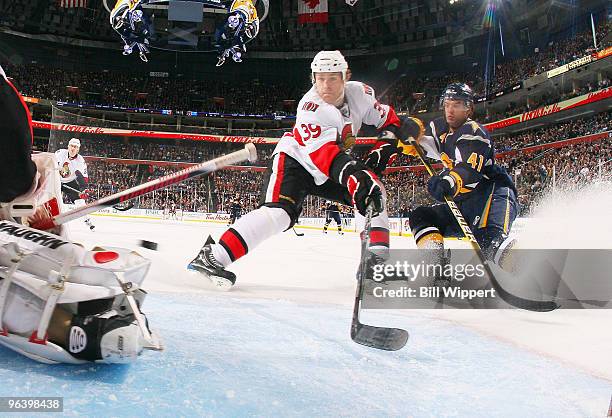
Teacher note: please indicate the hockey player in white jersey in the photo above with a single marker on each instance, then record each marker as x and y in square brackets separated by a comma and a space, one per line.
[313, 159]
[59, 303]
[73, 172]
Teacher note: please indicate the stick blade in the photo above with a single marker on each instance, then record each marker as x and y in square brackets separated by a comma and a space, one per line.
[390, 339]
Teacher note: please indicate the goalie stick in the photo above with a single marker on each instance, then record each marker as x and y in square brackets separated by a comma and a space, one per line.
[248, 153]
[122, 207]
[382, 338]
[516, 301]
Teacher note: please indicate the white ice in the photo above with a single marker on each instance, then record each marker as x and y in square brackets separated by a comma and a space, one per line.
[279, 344]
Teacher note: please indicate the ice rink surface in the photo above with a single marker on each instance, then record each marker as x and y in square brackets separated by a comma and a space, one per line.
[278, 344]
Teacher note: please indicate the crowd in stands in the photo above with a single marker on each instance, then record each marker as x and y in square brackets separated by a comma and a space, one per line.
[253, 96]
[555, 55]
[488, 115]
[422, 94]
[198, 151]
[135, 90]
[566, 130]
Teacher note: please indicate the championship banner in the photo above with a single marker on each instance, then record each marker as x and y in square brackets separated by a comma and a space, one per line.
[312, 11]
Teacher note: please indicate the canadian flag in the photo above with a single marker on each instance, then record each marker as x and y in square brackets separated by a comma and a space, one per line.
[312, 11]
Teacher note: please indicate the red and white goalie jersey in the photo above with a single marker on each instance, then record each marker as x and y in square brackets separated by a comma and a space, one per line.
[69, 166]
[322, 130]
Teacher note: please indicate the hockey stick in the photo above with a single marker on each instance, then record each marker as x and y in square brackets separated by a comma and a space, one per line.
[65, 186]
[120, 207]
[124, 207]
[248, 153]
[517, 301]
[390, 339]
[299, 234]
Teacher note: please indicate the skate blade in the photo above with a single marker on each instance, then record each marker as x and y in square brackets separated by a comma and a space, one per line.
[218, 283]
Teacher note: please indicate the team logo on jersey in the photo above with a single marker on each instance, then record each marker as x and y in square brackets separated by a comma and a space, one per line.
[368, 90]
[65, 170]
[78, 340]
[347, 138]
[381, 110]
[310, 107]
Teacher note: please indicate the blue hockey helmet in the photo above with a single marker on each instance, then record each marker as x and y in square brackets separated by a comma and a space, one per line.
[458, 91]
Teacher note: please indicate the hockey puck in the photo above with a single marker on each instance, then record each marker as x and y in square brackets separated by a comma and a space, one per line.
[150, 245]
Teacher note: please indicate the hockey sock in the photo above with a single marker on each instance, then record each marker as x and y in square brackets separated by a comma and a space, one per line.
[429, 238]
[379, 232]
[248, 232]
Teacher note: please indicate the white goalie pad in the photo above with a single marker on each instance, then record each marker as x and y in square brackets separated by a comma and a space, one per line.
[92, 274]
[44, 270]
[48, 353]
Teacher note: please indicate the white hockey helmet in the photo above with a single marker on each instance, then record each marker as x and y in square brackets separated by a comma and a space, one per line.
[329, 62]
[75, 141]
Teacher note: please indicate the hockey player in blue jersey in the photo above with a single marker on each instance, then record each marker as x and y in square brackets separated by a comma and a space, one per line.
[134, 26]
[483, 190]
[332, 213]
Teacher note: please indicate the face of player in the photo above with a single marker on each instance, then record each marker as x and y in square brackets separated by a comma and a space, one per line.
[330, 87]
[456, 112]
[73, 150]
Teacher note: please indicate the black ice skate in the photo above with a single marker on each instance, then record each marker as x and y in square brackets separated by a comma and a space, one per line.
[375, 257]
[206, 265]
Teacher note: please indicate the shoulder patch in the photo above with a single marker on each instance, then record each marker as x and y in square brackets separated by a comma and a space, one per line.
[310, 107]
[475, 126]
[368, 90]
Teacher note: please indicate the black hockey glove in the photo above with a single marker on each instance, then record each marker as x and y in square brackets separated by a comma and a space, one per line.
[381, 155]
[364, 188]
[409, 128]
[441, 185]
[362, 184]
[80, 179]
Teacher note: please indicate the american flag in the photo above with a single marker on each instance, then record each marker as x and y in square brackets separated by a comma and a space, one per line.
[73, 3]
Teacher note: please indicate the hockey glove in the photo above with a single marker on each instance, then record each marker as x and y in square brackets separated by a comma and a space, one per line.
[81, 181]
[441, 185]
[363, 187]
[381, 155]
[409, 128]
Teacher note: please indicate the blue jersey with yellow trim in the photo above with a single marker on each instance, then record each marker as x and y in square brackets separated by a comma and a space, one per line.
[467, 153]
